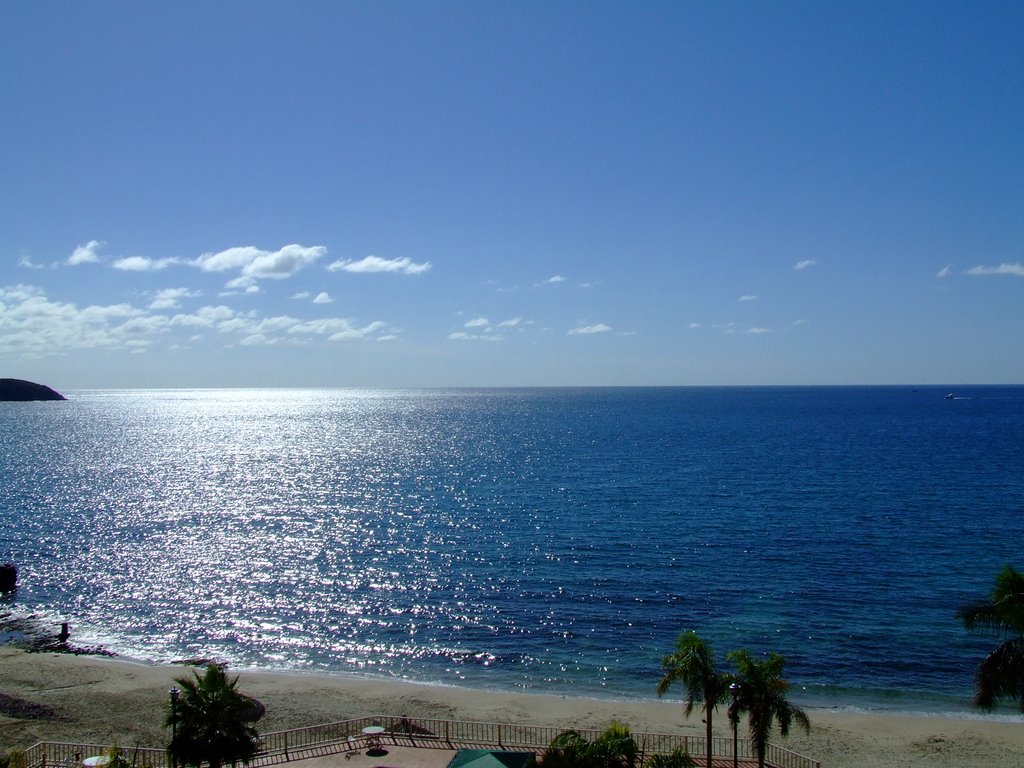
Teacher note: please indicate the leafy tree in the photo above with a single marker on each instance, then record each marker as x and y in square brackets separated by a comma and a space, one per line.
[567, 750]
[1001, 674]
[212, 721]
[693, 665]
[615, 747]
[15, 759]
[678, 758]
[115, 757]
[762, 695]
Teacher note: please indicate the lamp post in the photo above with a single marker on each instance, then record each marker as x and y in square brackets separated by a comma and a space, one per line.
[735, 717]
[175, 693]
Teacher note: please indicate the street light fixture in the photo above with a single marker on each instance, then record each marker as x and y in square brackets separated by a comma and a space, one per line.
[175, 693]
[735, 717]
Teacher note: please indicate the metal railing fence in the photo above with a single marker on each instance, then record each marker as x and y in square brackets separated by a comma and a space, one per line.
[278, 747]
[58, 754]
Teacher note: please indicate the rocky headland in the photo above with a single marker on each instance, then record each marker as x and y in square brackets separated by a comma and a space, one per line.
[19, 390]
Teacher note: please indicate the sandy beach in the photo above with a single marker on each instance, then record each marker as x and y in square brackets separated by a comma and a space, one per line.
[103, 700]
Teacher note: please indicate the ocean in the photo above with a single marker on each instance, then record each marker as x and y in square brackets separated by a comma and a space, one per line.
[543, 540]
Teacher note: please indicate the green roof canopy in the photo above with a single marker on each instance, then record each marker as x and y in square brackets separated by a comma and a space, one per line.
[486, 758]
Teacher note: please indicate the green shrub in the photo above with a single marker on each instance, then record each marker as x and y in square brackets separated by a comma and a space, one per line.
[679, 758]
[613, 748]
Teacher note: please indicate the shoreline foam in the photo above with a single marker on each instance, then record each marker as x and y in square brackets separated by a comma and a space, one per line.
[907, 703]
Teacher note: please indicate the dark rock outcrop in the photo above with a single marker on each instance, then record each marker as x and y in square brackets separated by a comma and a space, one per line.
[19, 390]
[8, 577]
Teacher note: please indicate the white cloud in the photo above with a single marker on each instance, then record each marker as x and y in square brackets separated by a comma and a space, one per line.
[403, 265]
[243, 283]
[95, 313]
[477, 322]
[554, 279]
[280, 323]
[255, 264]
[205, 317]
[512, 322]
[19, 293]
[759, 330]
[142, 264]
[232, 258]
[140, 324]
[587, 330]
[27, 263]
[357, 334]
[86, 254]
[946, 271]
[319, 327]
[322, 298]
[804, 264]
[748, 297]
[463, 336]
[1003, 269]
[333, 328]
[301, 295]
[168, 298]
[32, 325]
[283, 263]
[694, 325]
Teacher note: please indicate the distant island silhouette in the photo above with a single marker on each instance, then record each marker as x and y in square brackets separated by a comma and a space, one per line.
[20, 390]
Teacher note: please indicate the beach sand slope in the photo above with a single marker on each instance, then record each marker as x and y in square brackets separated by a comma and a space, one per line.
[106, 701]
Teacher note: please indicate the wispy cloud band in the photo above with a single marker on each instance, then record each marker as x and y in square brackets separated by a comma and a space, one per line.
[404, 265]
[1016, 269]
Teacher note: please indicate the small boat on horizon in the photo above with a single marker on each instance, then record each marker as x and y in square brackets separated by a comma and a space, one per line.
[950, 396]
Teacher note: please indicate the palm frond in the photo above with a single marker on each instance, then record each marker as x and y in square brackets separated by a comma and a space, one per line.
[1004, 611]
[1001, 675]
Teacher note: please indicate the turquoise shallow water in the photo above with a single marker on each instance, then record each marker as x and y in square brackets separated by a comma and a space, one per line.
[545, 540]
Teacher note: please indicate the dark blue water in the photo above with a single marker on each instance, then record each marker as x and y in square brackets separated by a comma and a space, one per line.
[545, 540]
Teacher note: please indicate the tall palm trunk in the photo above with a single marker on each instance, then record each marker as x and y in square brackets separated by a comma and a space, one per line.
[693, 665]
[711, 749]
[762, 695]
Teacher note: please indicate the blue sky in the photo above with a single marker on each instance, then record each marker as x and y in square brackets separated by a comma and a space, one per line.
[391, 194]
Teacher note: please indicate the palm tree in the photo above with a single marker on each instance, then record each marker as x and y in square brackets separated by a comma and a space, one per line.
[693, 665]
[1001, 674]
[615, 747]
[212, 721]
[567, 750]
[762, 695]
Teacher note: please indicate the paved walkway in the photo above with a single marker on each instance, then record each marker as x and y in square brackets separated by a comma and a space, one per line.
[391, 756]
[387, 757]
